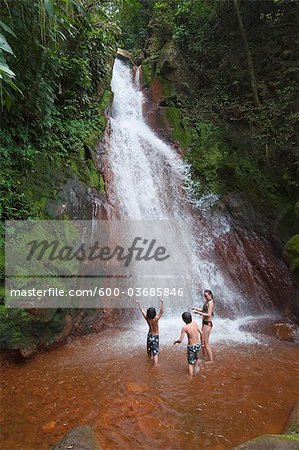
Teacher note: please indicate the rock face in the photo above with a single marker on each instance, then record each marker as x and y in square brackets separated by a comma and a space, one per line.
[81, 438]
[79, 202]
[250, 253]
[257, 262]
[271, 442]
[284, 330]
[168, 62]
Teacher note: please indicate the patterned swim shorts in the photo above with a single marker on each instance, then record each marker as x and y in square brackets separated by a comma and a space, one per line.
[153, 344]
[192, 353]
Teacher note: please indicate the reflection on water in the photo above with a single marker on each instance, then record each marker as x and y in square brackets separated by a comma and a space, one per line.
[108, 382]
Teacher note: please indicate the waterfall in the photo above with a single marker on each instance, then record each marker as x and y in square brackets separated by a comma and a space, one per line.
[150, 181]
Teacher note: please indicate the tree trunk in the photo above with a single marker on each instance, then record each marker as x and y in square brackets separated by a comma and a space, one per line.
[255, 96]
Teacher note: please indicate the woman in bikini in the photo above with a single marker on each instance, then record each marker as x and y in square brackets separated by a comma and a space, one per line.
[207, 313]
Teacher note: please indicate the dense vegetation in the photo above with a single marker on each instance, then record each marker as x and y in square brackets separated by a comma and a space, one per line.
[55, 67]
[54, 56]
[239, 86]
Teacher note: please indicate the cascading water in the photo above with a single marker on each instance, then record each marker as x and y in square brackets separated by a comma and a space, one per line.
[150, 181]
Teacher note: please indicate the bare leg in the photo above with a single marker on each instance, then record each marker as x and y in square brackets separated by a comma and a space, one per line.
[191, 370]
[197, 366]
[155, 360]
[206, 330]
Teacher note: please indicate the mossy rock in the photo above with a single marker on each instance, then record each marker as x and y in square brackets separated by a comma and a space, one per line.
[180, 133]
[106, 100]
[147, 72]
[20, 329]
[168, 87]
[42, 184]
[92, 139]
[168, 61]
[271, 442]
[292, 252]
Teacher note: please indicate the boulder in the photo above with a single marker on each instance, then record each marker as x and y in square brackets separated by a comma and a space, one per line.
[80, 438]
[26, 352]
[284, 330]
[292, 425]
[124, 54]
[271, 442]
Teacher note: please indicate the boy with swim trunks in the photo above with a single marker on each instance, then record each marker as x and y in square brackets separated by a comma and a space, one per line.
[194, 337]
[152, 319]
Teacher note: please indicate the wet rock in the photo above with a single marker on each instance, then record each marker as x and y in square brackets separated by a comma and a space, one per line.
[124, 54]
[168, 61]
[292, 425]
[284, 330]
[26, 352]
[58, 338]
[263, 326]
[140, 58]
[270, 442]
[77, 201]
[93, 321]
[80, 438]
[256, 253]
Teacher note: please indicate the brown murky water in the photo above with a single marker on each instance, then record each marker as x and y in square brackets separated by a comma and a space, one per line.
[249, 391]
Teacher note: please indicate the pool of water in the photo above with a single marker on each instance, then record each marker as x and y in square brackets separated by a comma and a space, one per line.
[107, 381]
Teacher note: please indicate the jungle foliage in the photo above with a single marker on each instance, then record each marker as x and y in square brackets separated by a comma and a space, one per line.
[54, 56]
[239, 85]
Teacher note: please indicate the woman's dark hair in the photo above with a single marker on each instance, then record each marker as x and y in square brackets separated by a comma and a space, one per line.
[186, 316]
[209, 292]
[151, 313]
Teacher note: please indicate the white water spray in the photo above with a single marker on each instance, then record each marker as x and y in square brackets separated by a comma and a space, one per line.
[151, 182]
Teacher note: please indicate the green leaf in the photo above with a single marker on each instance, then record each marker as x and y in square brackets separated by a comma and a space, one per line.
[4, 45]
[5, 69]
[8, 101]
[14, 86]
[7, 28]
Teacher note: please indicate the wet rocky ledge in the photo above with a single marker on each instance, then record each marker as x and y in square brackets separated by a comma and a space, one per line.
[80, 438]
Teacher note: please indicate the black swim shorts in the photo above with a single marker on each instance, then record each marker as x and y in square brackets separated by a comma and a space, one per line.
[153, 344]
[192, 353]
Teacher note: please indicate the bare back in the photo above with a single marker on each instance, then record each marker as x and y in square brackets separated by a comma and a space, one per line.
[153, 325]
[192, 330]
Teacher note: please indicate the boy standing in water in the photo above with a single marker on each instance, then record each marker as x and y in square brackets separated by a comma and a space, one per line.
[153, 333]
[194, 336]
